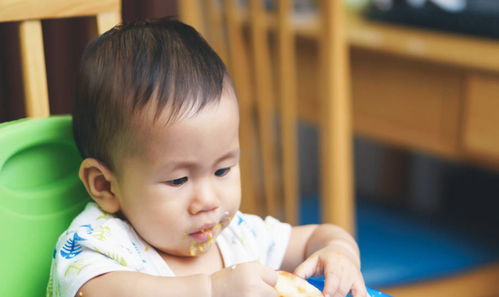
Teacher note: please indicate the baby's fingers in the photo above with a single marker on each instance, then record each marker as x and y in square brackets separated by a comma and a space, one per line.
[359, 289]
[344, 287]
[331, 283]
[269, 276]
[307, 268]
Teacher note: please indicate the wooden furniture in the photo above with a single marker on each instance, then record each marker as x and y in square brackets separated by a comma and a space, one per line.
[427, 91]
[418, 89]
[29, 15]
[437, 93]
[413, 88]
[447, 80]
[421, 90]
[480, 282]
[264, 70]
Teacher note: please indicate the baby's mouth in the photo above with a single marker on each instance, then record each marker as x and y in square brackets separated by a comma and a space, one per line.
[205, 237]
[206, 233]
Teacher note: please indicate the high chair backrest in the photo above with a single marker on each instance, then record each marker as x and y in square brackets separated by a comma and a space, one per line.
[39, 195]
[252, 40]
[39, 187]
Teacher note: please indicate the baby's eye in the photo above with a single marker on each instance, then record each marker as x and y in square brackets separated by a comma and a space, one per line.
[222, 171]
[178, 181]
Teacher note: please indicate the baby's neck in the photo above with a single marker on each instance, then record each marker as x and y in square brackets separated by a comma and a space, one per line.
[206, 263]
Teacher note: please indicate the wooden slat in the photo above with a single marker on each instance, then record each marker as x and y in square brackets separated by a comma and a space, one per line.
[190, 13]
[336, 131]
[288, 102]
[215, 30]
[263, 94]
[33, 64]
[107, 20]
[238, 68]
[19, 10]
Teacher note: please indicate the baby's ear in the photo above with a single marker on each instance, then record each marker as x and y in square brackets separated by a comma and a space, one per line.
[97, 179]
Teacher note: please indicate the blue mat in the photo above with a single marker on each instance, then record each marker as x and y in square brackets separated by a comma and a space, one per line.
[318, 282]
[398, 247]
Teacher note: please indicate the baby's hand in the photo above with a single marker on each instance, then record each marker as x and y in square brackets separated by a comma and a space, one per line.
[246, 280]
[341, 274]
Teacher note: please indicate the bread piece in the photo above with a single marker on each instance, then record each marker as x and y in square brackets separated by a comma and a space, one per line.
[290, 285]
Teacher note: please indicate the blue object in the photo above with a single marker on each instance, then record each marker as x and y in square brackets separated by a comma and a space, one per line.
[398, 247]
[318, 282]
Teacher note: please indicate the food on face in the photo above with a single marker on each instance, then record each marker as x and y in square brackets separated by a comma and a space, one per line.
[290, 285]
[203, 239]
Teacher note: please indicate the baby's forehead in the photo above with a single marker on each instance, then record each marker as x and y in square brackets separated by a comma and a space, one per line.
[152, 117]
[156, 114]
[144, 127]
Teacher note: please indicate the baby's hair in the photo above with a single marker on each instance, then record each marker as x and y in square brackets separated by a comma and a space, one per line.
[161, 61]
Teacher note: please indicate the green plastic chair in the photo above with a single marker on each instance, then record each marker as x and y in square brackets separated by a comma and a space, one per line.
[40, 193]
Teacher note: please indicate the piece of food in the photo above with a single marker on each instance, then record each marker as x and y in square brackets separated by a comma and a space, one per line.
[290, 285]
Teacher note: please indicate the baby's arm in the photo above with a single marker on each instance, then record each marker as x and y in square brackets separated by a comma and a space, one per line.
[326, 250]
[248, 279]
[128, 284]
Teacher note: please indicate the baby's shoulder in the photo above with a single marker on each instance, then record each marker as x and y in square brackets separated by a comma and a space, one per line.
[93, 224]
[93, 218]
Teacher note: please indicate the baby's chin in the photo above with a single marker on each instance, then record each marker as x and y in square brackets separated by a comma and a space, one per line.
[180, 253]
[197, 248]
[190, 250]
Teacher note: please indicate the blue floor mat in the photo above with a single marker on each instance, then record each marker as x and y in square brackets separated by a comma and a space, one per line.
[398, 247]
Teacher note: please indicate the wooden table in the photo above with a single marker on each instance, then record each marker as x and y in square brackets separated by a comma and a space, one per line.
[420, 89]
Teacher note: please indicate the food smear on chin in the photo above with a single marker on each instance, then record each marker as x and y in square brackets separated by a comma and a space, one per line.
[199, 247]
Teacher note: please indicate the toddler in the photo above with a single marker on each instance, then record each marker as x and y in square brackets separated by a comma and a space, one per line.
[156, 121]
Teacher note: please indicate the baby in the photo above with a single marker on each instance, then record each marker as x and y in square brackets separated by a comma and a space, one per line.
[156, 121]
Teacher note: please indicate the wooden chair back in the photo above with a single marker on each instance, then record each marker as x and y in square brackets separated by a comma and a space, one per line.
[29, 13]
[259, 48]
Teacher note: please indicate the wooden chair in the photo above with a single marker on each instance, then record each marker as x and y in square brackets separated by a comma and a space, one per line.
[259, 49]
[29, 13]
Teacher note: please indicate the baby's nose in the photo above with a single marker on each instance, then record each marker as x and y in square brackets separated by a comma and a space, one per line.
[205, 198]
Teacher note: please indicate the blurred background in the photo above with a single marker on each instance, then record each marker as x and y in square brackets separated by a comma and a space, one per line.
[424, 78]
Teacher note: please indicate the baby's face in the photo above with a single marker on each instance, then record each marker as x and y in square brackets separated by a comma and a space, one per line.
[184, 186]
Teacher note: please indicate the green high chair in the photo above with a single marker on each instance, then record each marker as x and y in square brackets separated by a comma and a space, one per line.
[40, 193]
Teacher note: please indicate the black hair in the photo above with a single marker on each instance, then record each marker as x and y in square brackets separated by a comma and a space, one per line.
[131, 65]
